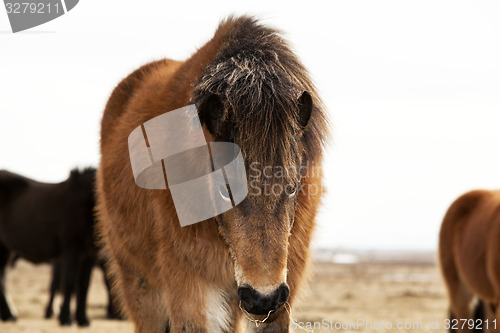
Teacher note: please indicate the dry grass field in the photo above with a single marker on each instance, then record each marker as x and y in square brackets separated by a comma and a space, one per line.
[362, 297]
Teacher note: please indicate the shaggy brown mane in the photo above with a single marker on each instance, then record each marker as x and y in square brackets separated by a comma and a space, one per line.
[259, 79]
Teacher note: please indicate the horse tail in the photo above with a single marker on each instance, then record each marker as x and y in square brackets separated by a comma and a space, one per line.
[121, 94]
[459, 295]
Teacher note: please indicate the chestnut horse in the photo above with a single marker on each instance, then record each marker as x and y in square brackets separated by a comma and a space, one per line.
[249, 262]
[469, 253]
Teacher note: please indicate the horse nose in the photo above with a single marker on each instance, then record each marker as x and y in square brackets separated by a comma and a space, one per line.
[259, 304]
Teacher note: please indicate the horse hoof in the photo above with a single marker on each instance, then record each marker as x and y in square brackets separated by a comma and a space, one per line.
[65, 321]
[8, 317]
[48, 314]
[83, 322]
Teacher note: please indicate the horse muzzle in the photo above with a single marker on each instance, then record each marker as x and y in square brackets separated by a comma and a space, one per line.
[259, 304]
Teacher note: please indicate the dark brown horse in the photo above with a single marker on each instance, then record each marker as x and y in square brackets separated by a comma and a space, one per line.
[251, 90]
[469, 253]
[57, 286]
[44, 222]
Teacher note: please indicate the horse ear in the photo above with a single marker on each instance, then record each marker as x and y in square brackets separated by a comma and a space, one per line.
[211, 111]
[305, 104]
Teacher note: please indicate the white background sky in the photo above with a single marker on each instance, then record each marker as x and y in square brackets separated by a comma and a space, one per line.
[412, 89]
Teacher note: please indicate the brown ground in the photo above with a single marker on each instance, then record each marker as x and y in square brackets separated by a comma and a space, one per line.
[376, 293]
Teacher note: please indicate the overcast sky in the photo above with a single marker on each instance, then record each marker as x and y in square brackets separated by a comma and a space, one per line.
[412, 89]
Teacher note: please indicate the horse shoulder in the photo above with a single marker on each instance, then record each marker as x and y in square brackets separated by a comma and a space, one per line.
[122, 93]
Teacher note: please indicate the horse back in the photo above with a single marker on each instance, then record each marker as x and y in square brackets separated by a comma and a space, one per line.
[121, 95]
[11, 184]
[38, 220]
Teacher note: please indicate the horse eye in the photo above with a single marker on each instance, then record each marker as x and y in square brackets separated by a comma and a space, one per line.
[224, 193]
[292, 190]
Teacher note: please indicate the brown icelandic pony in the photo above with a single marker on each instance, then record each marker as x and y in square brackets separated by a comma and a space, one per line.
[469, 253]
[249, 89]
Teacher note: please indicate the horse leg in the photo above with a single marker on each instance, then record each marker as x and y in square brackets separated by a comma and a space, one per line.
[460, 301]
[5, 313]
[113, 312]
[70, 264]
[460, 297]
[54, 287]
[479, 314]
[143, 304]
[82, 291]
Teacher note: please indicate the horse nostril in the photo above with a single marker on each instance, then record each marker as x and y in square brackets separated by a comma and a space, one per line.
[247, 295]
[259, 304]
[283, 293]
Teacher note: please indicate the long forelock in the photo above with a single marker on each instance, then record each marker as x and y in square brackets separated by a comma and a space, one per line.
[259, 80]
[260, 102]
